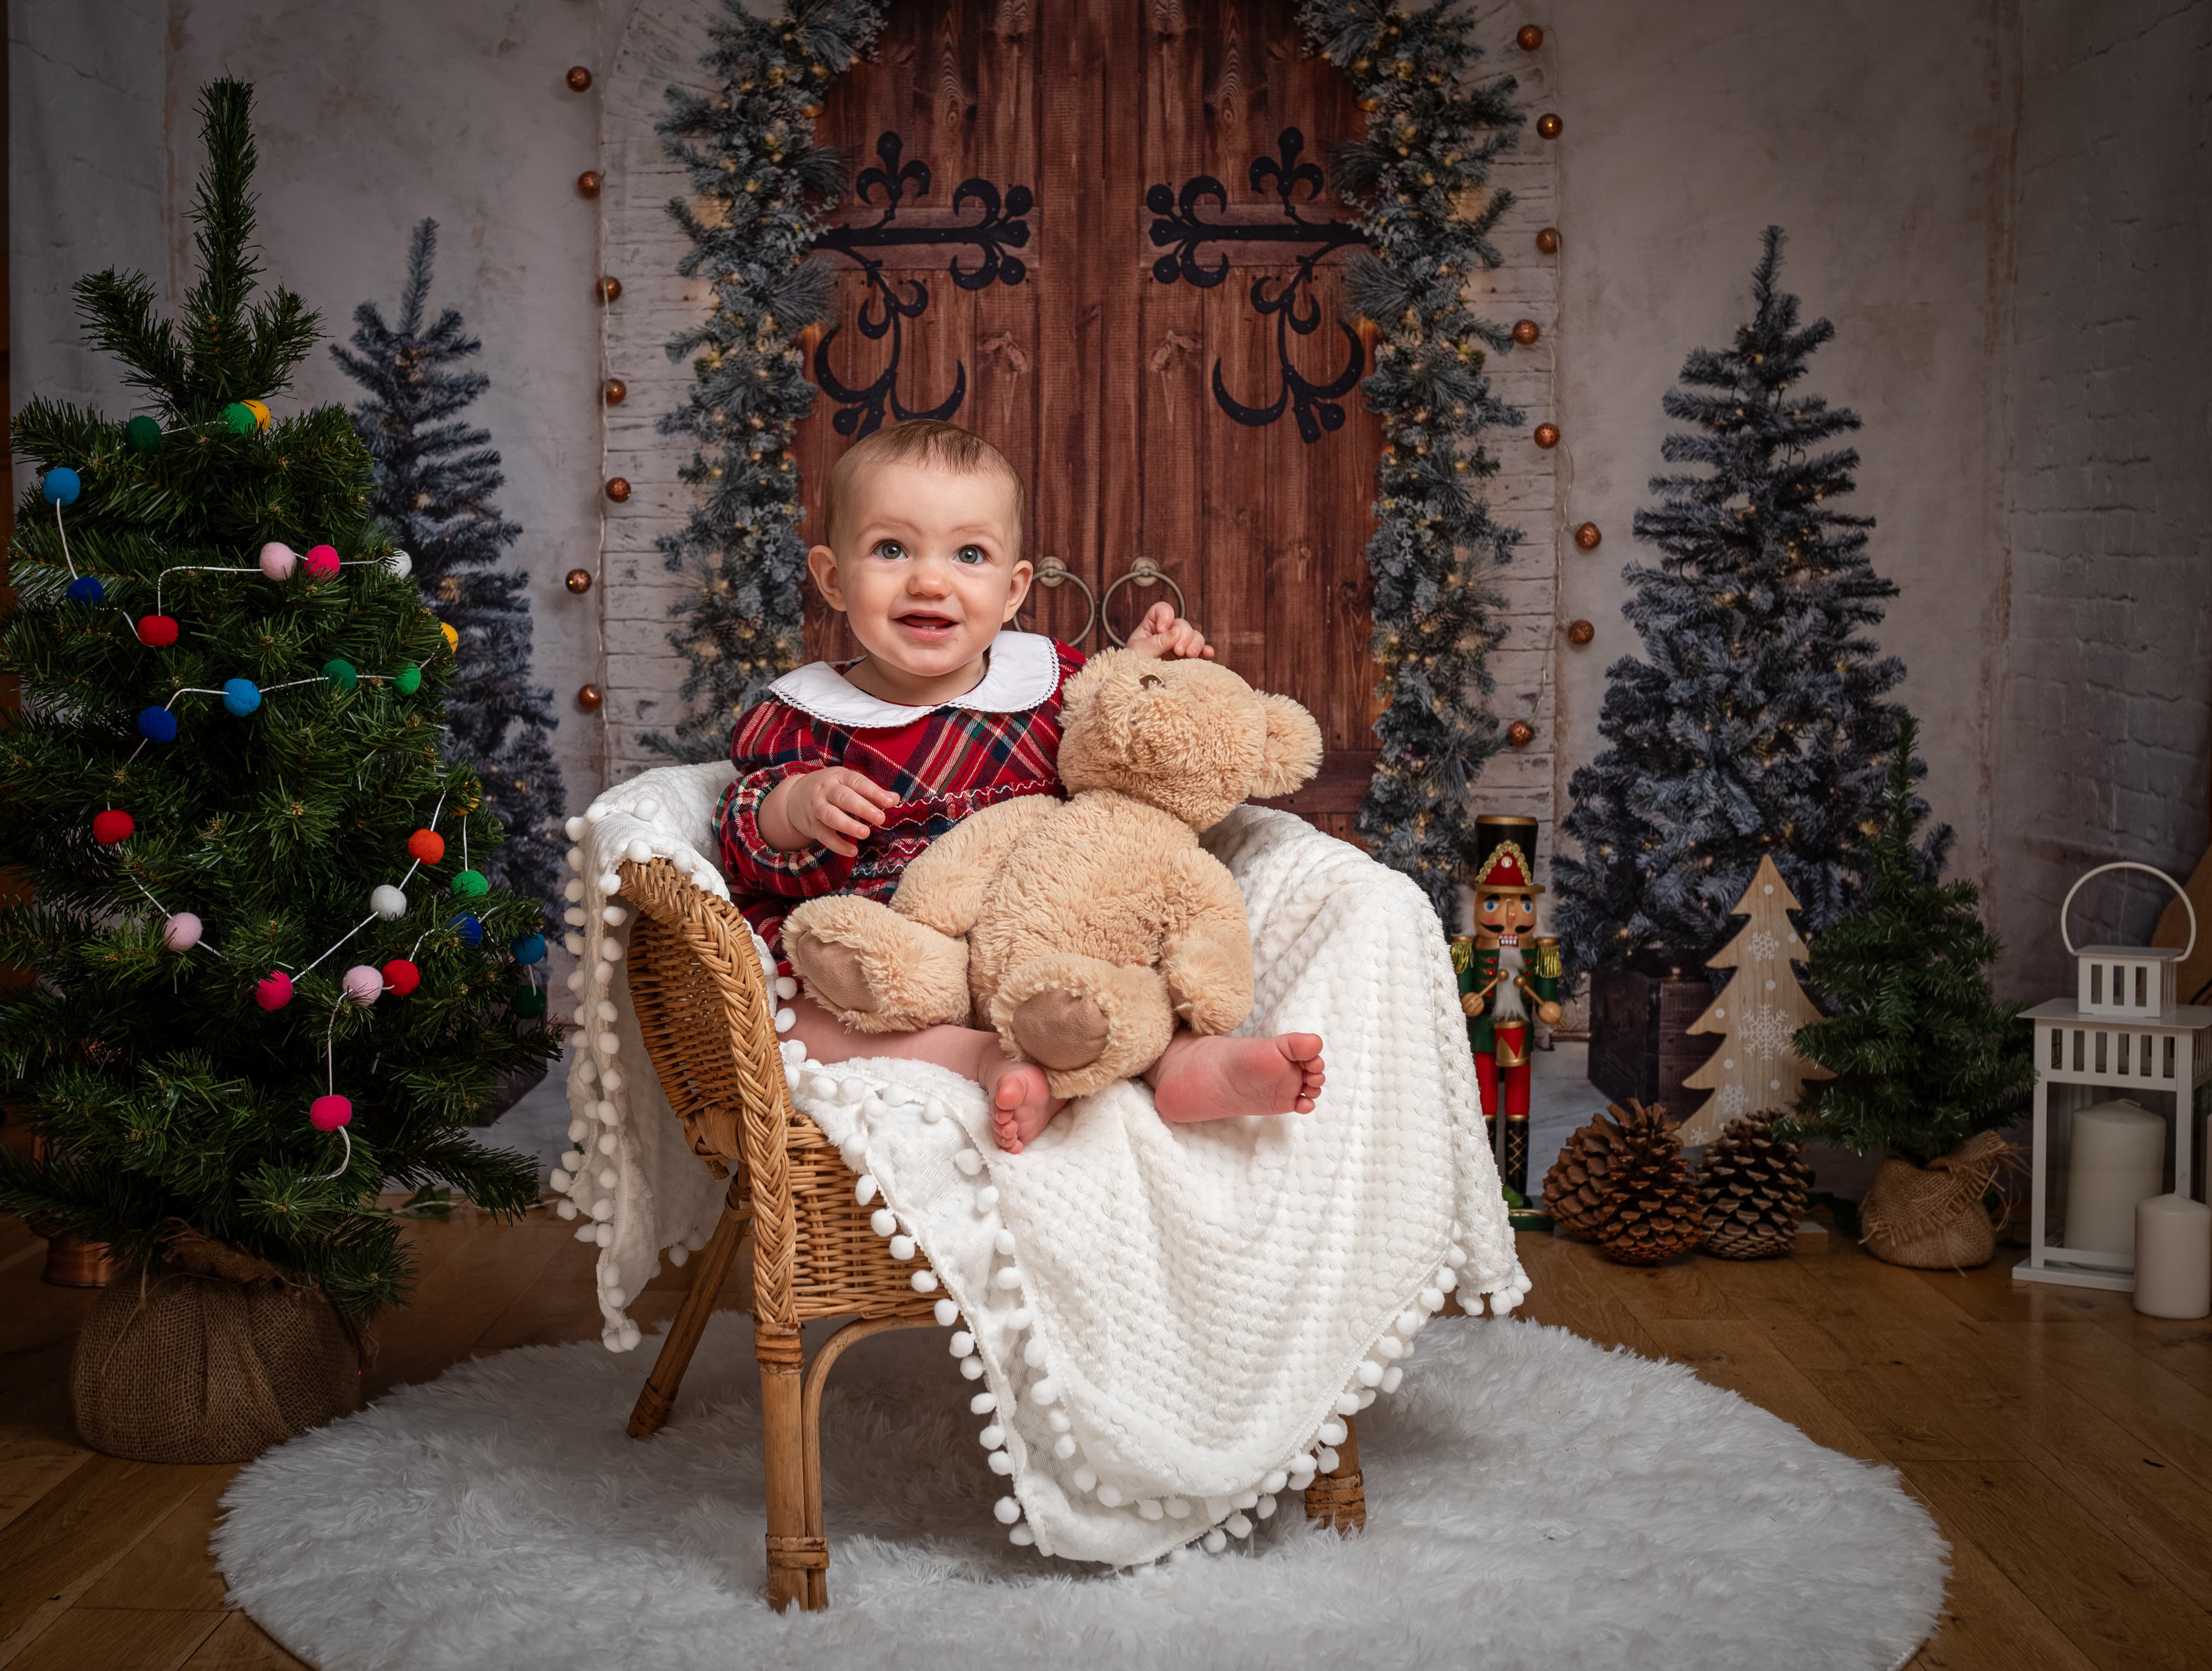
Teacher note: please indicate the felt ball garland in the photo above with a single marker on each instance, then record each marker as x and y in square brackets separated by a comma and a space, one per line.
[278, 561]
[111, 826]
[157, 632]
[143, 434]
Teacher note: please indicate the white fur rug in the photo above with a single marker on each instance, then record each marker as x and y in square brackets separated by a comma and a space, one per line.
[1538, 1502]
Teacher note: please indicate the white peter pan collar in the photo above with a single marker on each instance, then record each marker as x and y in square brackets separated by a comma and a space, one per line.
[1023, 671]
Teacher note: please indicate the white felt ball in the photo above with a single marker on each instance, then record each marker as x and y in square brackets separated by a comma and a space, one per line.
[604, 1235]
[992, 1436]
[961, 1343]
[1149, 1508]
[883, 1221]
[785, 987]
[1001, 1463]
[1007, 1276]
[1367, 1398]
[1238, 1526]
[982, 1404]
[1432, 1299]
[864, 1191]
[925, 1282]
[387, 902]
[576, 1130]
[606, 1144]
[574, 827]
[611, 949]
[987, 1197]
[872, 1105]
[603, 1210]
[567, 1209]
[1456, 1255]
[609, 882]
[931, 1112]
[1264, 1508]
[649, 808]
[559, 1181]
[574, 857]
[680, 1255]
[1064, 1448]
[400, 564]
[1018, 1318]
[1333, 1432]
[1347, 1404]
[606, 1113]
[596, 811]
[607, 1177]
[1215, 1541]
[851, 1090]
[572, 944]
[1033, 1354]
[574, 1161]
[1216, 1508]
[1047, 1391]
[1391, 1377]
[1276, 1480]
[1329, 1460]
[969, 1162]
[616, 1297]
[1003, 1241]
[795, 1052]
[1446, 1280]
[1501, 1304]
[1083, 1478]
[1007, 1509]
[640, 851]
[363, 983]
[1410, 1322]
[1110, 1495]
[1058, 1421]
[613, 916]
[819, 1086]
[947, 1314]
[972, 1368]
[1022, 1535]
[588, 1070]
[1370, 1373]
[631, 1335]
[901, 1248]
[1389, 1347]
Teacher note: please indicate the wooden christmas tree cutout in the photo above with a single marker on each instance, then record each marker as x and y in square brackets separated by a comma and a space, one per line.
[1758, 1013]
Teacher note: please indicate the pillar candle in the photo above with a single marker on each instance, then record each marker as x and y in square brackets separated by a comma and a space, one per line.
[2119, 1159]
[2173, 1258]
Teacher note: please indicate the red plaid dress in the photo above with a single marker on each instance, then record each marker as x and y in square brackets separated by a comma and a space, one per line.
[944, 764]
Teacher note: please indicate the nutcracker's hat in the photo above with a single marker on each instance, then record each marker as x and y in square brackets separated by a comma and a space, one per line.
[1502, 848]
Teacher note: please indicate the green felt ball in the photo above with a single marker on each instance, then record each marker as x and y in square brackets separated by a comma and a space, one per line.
[341, 673]
[241, 417]
[409, 680]
[143, 434]
[530, 1002]
[469, 885]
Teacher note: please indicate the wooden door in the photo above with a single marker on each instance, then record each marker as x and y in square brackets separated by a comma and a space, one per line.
[1139, 304]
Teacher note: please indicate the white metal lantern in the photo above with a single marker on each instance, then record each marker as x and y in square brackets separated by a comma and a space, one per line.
[2121, 1043]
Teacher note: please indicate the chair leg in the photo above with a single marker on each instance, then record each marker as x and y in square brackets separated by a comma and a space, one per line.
[658, 1396]
[1340, 1499]
[796, 1560]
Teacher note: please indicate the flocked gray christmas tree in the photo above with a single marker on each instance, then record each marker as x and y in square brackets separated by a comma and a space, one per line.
[1754, 725]
[435, 476]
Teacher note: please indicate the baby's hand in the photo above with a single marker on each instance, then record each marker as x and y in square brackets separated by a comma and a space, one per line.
[1162, 634]
[837, 807]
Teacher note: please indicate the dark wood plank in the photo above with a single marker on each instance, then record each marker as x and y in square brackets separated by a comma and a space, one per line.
[118, 1639]
[240, 1645]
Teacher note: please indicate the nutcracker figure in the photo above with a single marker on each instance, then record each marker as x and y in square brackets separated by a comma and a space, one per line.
[1504, 970]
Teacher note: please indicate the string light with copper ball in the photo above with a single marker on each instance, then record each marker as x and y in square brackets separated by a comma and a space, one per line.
[609, 289]
[587, 182]
[580, 79]
[1547, 436]
[1547, 240]
[1587, 537]
[1520, 734]
[1528, 39]
[1526, 331]
[615, 392]
[1549, 126]
[619, 489]
[579, 581]
[1580, 632]
[589, 697]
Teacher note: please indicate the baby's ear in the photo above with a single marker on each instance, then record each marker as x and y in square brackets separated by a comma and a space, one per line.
[1292, 752]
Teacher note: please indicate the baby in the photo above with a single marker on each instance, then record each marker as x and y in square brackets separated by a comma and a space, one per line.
[845, 773]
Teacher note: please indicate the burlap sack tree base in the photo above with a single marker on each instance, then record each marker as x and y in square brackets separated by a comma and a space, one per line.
[206, 1353]
[1931, 1218]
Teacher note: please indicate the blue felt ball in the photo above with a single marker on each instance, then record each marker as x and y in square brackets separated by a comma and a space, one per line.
[470, 929]
[61, 485]
[85, 589]
[241, 696]
[157, 725]
[531, 949]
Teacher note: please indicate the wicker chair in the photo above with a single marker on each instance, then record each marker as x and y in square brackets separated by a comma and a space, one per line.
[696, 984]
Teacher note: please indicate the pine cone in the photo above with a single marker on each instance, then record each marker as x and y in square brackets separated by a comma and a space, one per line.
[1754, 1189]
[1652, 1211]
[1584, 1174]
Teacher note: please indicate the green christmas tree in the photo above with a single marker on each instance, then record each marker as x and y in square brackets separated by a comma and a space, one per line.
[1923, 1055]
[249, 868]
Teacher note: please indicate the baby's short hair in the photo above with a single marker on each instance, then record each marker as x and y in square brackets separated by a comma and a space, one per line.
[920, 441]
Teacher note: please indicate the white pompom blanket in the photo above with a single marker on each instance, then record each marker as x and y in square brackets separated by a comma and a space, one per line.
[1164, 1324]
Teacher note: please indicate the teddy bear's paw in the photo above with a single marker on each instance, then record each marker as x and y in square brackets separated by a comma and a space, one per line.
[838, 976]
[1062, 1030]
[875, 970]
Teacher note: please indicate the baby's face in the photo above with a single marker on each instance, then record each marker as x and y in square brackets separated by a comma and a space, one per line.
[927, 564]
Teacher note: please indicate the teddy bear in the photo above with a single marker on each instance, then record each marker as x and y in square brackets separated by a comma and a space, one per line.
[1082, 931]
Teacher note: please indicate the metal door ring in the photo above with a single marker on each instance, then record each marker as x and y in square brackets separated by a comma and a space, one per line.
[1054, 573]
[1144, 573]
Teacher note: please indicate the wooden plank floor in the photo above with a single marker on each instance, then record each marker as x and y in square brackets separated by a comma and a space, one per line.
[2063, 1442]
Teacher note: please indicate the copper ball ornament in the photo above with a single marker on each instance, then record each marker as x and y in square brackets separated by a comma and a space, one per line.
[587, 182]
[1520, 734]
[1587, 537]
[1549, 126]
[1580, 632]
[1526, 331]
[588, 698]
[1547, 240]
[619, 487]
[1528, 39]
[580, 79]
[1548, 437]
[615, 392]
[580, 581]
[610, 288]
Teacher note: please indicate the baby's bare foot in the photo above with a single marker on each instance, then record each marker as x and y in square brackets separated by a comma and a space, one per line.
[1022, 1104]
[1199, 1078]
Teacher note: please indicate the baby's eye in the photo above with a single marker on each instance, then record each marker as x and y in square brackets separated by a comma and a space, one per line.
[890, 549]
[972, 554]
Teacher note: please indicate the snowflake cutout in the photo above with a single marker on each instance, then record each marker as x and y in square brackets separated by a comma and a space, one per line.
[1764, 947]
[1767, 1034]
[1733, 1101]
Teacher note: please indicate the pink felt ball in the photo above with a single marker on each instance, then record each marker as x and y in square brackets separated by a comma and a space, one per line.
[328, 1113]
[278, 560]
[322, 562]
[182, 931]
[363, 983]
[111, 826]
[275, 991]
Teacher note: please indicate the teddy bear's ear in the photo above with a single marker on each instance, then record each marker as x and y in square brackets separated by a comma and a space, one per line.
[1291, 752]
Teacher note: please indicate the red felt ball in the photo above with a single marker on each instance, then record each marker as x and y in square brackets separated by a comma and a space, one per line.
[158, 632]
[274, 990]
[401, 977]
[321, 562]
[328, 1113]
[111, 826]
[427, 845]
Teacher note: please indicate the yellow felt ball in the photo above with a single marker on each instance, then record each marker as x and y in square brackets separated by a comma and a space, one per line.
[261, 413]
[453, 638]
